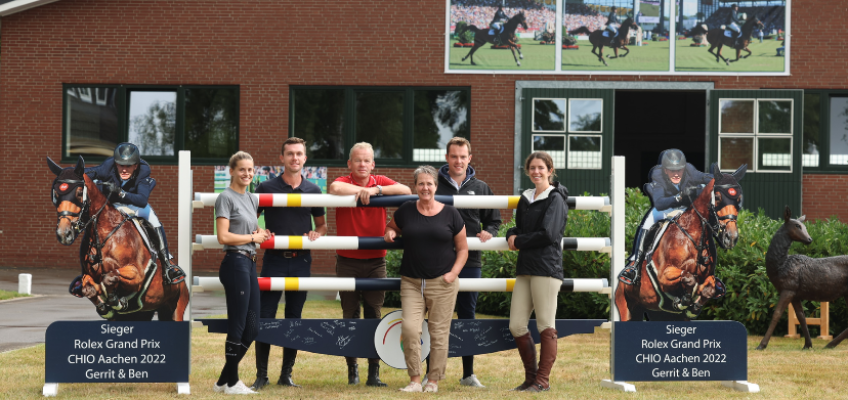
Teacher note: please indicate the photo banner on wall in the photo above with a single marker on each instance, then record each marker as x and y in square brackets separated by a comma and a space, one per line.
[617, 37]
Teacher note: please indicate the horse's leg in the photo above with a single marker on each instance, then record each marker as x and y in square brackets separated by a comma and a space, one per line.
[514, 57]
[127, 277]
[627, 51]
[471, 53]
[621, 303]
[749, 52]
[615, 50]
[182, 302]
[601, 55]
[835, 342]
[738, 54]
[785, 298]
[802, 319]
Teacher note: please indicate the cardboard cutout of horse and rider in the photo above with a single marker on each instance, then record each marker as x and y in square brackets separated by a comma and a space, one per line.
[671, 273]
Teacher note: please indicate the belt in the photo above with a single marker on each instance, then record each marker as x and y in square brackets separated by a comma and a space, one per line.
[252, 257]
[287, 253]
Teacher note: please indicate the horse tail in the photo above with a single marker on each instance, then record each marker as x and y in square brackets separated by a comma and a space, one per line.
[581, 29]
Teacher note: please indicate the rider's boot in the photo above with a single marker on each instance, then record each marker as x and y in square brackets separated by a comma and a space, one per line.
[263, 350]
[289, 357]
[630, 274]
[172, 273]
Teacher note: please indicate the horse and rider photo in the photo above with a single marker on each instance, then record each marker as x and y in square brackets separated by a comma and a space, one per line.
[121, 256]
[496, 35]
[604, 34]
[733, 43]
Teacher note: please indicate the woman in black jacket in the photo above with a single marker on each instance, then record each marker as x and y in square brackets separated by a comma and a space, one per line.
[539, 224]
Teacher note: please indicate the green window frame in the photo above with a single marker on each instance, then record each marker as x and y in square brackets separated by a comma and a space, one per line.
[120, 95]
[341, 125]
[816, 142]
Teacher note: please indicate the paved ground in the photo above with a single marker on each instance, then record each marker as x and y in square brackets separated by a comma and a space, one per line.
[25, 320]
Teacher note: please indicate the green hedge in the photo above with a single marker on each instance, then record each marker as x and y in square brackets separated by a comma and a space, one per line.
[750, 295]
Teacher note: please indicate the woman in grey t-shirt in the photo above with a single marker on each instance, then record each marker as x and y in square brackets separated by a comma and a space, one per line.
[238, 231]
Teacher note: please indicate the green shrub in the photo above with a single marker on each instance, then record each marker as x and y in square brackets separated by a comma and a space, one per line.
[465, 37]
[750, 298]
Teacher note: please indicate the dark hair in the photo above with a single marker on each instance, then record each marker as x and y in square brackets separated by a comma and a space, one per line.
[292, 140]
[546, 158]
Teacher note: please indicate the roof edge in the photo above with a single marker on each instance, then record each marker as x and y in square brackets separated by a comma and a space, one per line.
[17, 6]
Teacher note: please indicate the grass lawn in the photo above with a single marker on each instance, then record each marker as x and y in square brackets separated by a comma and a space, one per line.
[653, 56]
[783, 371]
[6, 295]
[537, 57]
[695, 59]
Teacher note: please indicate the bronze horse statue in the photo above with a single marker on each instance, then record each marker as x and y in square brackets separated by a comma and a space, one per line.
[717, 39]
[598, 39]
[119, 276]
[797, 277]
[685, 257]
[482, 36]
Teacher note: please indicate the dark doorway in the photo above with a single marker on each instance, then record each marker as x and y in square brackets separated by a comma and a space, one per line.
[648, 122]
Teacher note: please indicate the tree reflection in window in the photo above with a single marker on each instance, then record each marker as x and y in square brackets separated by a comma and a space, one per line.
[211, 122]
[549, 115]
[775, 116]
[379, 121]
[153, 122]
[439, 115]
[585, 115]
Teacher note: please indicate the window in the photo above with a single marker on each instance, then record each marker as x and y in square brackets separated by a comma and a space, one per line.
[825, 139]
[406, 126]
[565, 135]
[160, 120]
[757, 132]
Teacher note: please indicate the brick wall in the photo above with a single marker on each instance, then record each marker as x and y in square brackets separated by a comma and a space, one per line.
[264, 46]
[824, 197]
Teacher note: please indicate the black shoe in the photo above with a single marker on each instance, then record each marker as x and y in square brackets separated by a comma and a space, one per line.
[352, 374]
[260, 383]
[289, 357]
[76, 287]
[374, 376]
[174, 275]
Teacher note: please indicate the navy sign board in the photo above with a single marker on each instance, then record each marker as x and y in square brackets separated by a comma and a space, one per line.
[103, 351]
[680, 351]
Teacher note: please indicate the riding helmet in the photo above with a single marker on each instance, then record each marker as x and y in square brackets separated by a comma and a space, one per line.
[127, 154]
[673, 160]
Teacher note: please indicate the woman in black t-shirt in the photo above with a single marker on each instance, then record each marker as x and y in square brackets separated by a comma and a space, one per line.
[434, 252]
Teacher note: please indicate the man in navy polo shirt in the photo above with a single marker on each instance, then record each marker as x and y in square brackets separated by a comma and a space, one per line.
[288, 221]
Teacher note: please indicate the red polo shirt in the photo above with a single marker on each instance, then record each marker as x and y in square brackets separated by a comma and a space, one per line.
[362, 221]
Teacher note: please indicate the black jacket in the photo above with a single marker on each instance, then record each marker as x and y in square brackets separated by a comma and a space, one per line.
[500, 16]
[138, 187]
[734, 17]
[489, 218]
[613, 19]
[662, 192]
[539, 227]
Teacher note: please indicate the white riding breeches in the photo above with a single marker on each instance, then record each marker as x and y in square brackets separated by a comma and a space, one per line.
[143, 212]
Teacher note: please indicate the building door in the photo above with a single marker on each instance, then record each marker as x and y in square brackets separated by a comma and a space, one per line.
[761, 128]
[574, 126]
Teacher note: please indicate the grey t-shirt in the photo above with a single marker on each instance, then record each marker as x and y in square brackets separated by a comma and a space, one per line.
[240, 209]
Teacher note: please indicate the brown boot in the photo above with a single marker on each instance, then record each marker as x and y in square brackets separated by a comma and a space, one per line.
[527, 351]
[547, 357]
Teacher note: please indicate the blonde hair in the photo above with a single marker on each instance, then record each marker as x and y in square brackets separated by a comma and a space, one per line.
[240, 155]
[546, 158]
[427, 170]
[361, 145]
[458, 141]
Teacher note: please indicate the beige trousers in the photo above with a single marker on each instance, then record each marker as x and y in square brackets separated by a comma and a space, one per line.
[417, 297]
[529, 293]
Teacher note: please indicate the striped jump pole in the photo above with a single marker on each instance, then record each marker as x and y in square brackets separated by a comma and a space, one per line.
[208, 283]
[595, 203]
[203, 242]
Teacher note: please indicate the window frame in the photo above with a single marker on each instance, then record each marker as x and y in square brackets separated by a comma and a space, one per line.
[568, 149]
[570, 108]
[824, 166]
[756, 135]
[533, 114]
[122, 101]
[349, 115]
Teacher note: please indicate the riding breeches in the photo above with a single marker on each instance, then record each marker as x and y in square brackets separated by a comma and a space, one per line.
[238, 275]
[734, 27]
[613, 28]
[531, 293]
[145, 212]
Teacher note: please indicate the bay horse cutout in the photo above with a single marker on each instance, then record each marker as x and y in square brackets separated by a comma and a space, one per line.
[120, 276]
[685, 257]
[717, 39]
[482, 36]
[598, 40]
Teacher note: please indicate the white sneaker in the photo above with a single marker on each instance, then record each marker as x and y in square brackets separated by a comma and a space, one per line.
[238, 388]
[431, 387]
[218, 389]
[471, 381]
[412, 387]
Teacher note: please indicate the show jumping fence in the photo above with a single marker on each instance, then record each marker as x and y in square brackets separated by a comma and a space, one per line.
[614, 245]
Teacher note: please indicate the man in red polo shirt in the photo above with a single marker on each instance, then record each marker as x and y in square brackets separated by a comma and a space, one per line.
[362, 221]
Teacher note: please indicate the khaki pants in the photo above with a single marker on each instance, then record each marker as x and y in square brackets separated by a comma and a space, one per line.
[533, 292]
[418, 296]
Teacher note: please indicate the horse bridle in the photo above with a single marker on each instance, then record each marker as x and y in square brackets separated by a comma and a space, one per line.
[78, 225]
[719, 229]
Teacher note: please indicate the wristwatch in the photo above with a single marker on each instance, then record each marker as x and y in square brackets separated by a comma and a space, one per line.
[379, 190]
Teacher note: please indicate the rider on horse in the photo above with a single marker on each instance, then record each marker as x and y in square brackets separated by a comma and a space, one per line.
[613, 23]
[672, 183]
[128, 172]
[734, 24]
[496, 26]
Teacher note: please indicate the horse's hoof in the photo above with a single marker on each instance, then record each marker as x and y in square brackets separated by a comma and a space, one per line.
[761, 347]
[519, 64]
[521, 56]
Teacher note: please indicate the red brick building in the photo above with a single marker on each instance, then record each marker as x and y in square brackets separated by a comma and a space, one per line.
[56, 55]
